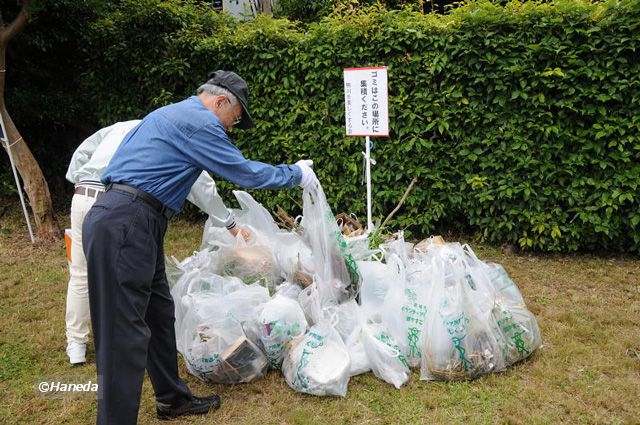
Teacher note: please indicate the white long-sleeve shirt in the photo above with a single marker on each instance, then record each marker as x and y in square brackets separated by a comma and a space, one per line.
[93, 155]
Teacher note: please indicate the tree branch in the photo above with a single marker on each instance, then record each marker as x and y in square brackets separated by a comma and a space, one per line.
[395, 210]
[18, 23]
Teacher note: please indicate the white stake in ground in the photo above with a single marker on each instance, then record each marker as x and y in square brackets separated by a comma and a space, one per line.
[7, 146]
[367, 114]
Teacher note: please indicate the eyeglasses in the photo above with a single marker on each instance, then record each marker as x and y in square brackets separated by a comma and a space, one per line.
[237, 120]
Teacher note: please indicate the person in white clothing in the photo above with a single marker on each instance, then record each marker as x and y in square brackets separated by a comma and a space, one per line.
[85, 170]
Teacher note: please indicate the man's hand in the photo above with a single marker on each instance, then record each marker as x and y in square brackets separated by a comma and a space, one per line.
[309, 178]
[246, 233]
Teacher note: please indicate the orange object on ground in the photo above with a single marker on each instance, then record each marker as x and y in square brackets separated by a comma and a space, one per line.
[67, 243]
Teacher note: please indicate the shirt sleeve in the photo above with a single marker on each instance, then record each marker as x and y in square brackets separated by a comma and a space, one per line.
[84, 152]
[204, 195]
[210, 149]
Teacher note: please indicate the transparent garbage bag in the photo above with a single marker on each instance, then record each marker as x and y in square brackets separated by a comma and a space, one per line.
[384, 355]
[251, 214]
[216, 348]
[404, 310]
[348, 319]
[204, 337]
[360, 250]
[503, 284]
[291, 253]
[399, 247]
[280, 320]
[309, 300]
[251, 263]
[336, 270]
[294, 258]
[244, 303]
[520, 329]
[213, 336]
[173, 270]
[377, 278]
[176, 269]
[289, 290]
[521, 334]
[369, 344]
[518, 325]
[197, 283]
[461, 339]
[317, 362]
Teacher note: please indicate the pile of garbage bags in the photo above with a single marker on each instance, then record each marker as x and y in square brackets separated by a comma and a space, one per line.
[323, 308]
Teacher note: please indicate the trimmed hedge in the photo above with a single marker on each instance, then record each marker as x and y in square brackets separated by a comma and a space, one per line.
[521, 122]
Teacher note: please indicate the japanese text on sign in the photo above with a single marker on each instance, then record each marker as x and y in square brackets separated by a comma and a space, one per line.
[366, 101]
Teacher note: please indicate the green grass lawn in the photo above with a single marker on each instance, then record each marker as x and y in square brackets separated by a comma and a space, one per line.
[588, 370]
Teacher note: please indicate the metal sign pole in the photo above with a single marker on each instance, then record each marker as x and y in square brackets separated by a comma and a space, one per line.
[24, 206]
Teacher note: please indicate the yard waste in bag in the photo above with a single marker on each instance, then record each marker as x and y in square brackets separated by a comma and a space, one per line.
[213, 336]
[471, 328]
[323, 308]
[461, 339]
[405, 307]
[216, 349]
[336, 270]
[517, 323]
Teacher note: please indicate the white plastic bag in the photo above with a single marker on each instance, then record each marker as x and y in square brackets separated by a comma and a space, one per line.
[280, 321]
[215, 347]
[336, 270]
[189, 287]
[404, 310]
[317, 362]
[348, 318]
[293, 257]
[377, 278]
[521, 334]
[289, 290]
[217, 334]
[460, 338]
[309, 300]
[251, 263]
[384, 355]
[519, 326]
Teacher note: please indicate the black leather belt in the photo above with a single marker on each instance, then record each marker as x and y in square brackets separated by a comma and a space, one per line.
[150, 200]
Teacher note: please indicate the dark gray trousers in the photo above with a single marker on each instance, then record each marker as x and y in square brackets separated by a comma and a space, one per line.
[132, 312]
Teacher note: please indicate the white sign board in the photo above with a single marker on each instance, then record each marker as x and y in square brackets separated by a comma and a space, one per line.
[366, 101]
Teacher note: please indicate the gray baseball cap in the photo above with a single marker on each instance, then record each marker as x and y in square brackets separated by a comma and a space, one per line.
[236, 85]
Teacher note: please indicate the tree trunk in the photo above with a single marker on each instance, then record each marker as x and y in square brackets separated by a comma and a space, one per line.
[35, 185]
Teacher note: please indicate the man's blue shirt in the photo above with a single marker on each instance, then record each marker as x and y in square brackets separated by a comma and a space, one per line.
[167, 151]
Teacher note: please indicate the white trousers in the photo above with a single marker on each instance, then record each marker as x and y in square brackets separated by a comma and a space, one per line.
[77, 318]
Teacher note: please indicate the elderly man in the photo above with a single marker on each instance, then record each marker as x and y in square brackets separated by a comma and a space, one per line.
[147, 180]
[85, 171]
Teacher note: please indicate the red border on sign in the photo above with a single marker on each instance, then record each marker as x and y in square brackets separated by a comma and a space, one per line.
[367, 67]
[369, 135]
[362, 69]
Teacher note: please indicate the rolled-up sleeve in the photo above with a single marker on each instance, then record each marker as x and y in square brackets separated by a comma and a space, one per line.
[211, 149]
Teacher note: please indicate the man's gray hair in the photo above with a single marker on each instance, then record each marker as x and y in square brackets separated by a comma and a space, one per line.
[214, 90]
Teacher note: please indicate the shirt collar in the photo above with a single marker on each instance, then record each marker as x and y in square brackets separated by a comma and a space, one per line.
[200, 105]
